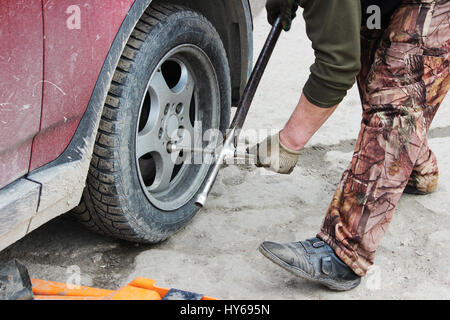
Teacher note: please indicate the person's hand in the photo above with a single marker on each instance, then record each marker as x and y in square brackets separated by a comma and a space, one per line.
[274, 156]
[286, 8]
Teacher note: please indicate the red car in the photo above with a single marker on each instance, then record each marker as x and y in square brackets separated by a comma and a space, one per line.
[89, 92]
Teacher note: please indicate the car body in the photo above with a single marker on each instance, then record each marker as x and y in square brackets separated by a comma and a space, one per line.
[57, 63]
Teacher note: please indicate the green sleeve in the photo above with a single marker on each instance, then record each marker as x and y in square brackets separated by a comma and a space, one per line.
[333, 26]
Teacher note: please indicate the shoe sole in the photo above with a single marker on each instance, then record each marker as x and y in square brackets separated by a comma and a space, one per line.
[331, 284]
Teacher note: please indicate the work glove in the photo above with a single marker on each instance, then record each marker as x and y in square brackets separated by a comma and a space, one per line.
[274, 156]
[286, 8]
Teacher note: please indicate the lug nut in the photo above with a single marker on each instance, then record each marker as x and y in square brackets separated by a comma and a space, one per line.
[179, 108]
[171, 147]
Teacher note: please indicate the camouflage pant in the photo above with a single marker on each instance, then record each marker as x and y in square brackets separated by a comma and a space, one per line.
[404, 78]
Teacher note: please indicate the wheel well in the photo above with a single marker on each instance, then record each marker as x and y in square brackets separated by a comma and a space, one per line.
[232, 20]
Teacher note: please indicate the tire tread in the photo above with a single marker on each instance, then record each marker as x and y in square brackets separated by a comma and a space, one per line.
[100, 208]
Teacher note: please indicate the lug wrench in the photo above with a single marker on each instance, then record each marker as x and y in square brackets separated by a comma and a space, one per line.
[230, 144]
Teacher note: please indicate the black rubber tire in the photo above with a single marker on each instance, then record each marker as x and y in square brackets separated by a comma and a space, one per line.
[113, 201]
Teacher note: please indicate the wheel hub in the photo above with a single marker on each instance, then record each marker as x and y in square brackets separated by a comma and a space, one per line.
[171, 127]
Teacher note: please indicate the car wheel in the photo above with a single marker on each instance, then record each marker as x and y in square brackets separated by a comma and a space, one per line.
[172, 81]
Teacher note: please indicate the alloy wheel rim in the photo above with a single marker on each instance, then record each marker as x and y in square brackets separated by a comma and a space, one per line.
[173, 111]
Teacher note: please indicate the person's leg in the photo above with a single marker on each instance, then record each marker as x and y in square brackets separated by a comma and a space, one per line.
[370, 41]
[401, 92]
[425, 175]
[313, 259]
[407, 82]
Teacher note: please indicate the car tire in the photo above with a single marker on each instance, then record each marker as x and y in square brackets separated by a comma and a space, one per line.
[118, 199]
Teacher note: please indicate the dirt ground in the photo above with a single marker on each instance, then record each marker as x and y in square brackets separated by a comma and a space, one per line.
[216, 254]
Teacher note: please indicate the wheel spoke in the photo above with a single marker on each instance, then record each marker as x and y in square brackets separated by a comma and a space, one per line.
[184, 89]
[161, 89]
[161, 97]
[165, 164]
[147, 142]
[185, 96]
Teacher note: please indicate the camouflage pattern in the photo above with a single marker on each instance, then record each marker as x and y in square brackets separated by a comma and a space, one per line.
[403, 80]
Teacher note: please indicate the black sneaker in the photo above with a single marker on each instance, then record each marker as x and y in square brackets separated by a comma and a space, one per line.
[314, 260]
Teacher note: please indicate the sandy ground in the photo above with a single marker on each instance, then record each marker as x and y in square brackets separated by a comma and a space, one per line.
[217, 254]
